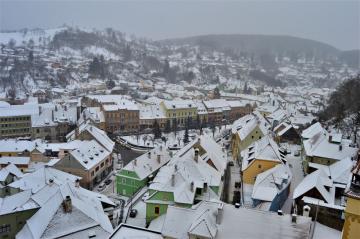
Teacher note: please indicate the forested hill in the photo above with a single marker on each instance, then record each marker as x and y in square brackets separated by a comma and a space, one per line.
[259, 44]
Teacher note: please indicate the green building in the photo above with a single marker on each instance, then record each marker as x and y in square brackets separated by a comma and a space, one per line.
[195, 173]
[14, 211]
[136, 174]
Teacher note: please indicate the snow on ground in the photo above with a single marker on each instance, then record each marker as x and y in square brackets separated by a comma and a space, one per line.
[93, 50]
[140, 219]
[247, 189]
[296, 168]
[35, 35]
[172, 139]
[322, 232]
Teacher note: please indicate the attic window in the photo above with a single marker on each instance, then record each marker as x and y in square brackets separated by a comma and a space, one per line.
[85, 162]
[101, 150]
[91, 158]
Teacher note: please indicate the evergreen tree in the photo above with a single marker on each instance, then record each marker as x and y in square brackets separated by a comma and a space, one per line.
[31, 56]
[198, 122]
[156, 130]
[213, 129]
[217, 93]
[186, 136]
[167, 126]
[175, 127]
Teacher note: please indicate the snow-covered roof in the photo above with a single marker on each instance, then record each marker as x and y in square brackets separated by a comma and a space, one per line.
[321, 182]
[148, 163]
[246, 124]
[182, 171]
[40, 178]
[18, 202]
[14, 145]
[51, 221]
[10, 169]
[114, 102]
[271, 182]
[282, 128]
[15, 160]
[99, 135]
[319, 146]
[312, 131]
[217, 104]
[151, 112]
[128, 231]
[51, 114]
[340, 172]
[89, 153]
[263, 149]
[179, 104]
[234, 222]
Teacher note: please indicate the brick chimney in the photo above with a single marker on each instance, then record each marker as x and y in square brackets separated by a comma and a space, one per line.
[67, 204]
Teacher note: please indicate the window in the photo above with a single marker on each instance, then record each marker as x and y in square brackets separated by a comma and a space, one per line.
[97, 168]
[5, 228]
[102, 164]
[259, 166]
[123, 180]
[92, 173]
[157, 210]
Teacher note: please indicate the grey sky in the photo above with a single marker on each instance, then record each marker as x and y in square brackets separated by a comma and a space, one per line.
[333, 22]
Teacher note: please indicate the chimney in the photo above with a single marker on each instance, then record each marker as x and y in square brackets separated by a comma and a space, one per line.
[172, 180]
[280, 213]
[51, 181]
[149, 154]
[159, 158]
[293, 218]
[77, 183]
[134, 162]
[306, 211]
[56, 108]
[175, 167]
[67, 204]
[65, 107]
[196, 157]
[40, 110]
[330, 138]
[205, 187]
[219, 214]
[52, 115]
[192, 186]
[340, 147]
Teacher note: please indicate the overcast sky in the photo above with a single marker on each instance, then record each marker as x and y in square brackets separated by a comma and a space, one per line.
[333, 22]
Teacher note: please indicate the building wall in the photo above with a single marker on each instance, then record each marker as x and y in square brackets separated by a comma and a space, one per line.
[165, 197]
[351, 228]
[239, 145]
[318, 160]
[16, 221]
[128, 183]
[280, 199]
[179, 114]
[256, 167]
[15, 126]
[89, 177]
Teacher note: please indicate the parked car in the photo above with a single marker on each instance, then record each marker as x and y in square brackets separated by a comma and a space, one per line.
[133, 213]
[101, 187]
[108, 181]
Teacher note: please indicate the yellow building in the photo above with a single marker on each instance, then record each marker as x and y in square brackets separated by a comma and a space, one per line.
[246, 131]
[179, 111]
[260, 156]
[351, 229]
